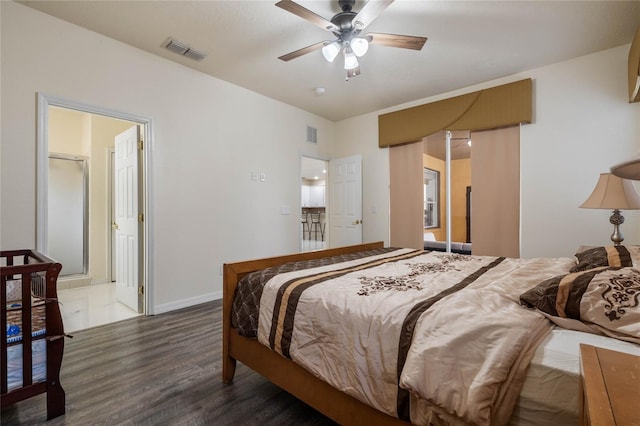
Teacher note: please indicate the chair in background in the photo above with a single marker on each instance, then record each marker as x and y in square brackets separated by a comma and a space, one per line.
[306, 226]
[316, 226]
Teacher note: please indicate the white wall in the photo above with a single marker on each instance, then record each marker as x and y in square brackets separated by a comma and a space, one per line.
[583, 125]
[209, 136]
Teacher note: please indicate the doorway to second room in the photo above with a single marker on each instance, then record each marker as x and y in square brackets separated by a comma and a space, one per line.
[313, 217]
[96, 292]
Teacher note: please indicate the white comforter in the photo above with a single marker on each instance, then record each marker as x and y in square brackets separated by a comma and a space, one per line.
[428, 337]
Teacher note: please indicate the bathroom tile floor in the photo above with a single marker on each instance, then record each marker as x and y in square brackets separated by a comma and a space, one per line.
[91, 306]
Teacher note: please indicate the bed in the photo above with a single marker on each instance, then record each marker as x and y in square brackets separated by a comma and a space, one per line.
[34, 344]
[482, 352]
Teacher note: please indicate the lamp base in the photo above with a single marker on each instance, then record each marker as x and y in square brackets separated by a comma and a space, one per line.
[616, 219]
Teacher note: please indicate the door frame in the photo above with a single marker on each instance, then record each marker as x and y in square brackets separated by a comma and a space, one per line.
[111, 203]
[44, 101]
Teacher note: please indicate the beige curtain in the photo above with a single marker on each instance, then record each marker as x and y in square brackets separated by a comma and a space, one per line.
[495, 185]
[406, 176]
[495, 188]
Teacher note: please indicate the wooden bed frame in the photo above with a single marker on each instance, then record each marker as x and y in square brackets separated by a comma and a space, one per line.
[283, 372]
[20, 264]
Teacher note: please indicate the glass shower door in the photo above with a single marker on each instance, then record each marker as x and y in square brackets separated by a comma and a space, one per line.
[68, 213]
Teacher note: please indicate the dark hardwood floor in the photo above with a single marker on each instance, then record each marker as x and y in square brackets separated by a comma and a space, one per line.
[161, 370]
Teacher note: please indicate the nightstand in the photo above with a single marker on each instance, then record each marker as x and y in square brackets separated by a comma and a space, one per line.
[609, 386]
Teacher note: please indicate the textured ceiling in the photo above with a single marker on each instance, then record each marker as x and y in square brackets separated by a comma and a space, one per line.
[468, 42]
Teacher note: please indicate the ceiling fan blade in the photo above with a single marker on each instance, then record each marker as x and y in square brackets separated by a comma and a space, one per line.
[304, 13]
[303, 51]
[395, 40]
[369, 12]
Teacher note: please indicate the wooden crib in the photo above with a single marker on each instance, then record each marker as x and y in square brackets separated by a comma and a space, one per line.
[33, 347]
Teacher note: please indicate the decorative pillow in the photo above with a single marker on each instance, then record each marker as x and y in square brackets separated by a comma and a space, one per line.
[605, 299]
[608, 256]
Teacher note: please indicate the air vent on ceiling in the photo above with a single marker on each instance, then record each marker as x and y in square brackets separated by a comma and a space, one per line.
[184, 49]
[312, 134]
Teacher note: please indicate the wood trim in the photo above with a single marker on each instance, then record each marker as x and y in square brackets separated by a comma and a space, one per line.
[492, 108]
[611, 391]
[286, 374]
[283, 372]
[597, 409]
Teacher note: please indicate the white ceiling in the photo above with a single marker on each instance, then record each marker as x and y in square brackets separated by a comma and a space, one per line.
[468, 42]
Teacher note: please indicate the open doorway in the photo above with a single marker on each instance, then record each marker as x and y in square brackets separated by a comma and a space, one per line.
[89, 295]
[313, 205]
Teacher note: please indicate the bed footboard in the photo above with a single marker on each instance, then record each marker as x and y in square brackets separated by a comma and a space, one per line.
[233, 273]
[337, 405]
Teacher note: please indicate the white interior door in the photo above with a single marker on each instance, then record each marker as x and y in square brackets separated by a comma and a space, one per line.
[345, 179]
[126, 223]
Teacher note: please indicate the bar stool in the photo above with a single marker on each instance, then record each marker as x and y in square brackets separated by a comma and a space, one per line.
[323, 223]
[306, 226]
[316, 226]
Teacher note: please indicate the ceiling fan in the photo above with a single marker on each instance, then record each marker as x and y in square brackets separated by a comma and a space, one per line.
[346, 26]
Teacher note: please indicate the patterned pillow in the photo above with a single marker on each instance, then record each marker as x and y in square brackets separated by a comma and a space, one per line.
[608, 256]
[604, 300]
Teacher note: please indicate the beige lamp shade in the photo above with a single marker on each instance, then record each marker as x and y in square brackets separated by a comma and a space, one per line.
[612, 192]
[628, 169]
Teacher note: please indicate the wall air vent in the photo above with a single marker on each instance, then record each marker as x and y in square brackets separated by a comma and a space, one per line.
[312, 134]
[184, 49]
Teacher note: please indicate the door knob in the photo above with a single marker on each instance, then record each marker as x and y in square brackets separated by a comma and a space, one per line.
[114, 225]
[357, 222]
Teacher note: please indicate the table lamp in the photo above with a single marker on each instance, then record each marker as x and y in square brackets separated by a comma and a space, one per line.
[612, 192]
[628, 170]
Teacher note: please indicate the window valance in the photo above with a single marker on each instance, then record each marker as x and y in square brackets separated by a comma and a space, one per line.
[492, 108]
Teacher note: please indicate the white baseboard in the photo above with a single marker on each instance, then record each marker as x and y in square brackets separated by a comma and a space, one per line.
[73, 281]
[185, 303]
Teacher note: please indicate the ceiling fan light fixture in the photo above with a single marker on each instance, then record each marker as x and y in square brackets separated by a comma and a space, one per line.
[330, 51]
[359, 46]
[353, 73]
[350, 60]
[347, 26]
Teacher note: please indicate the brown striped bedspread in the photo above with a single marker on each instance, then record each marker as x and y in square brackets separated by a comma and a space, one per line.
[429, 337]
[246, 300]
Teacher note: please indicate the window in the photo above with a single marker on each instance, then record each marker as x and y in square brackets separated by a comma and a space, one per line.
[431, 198]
